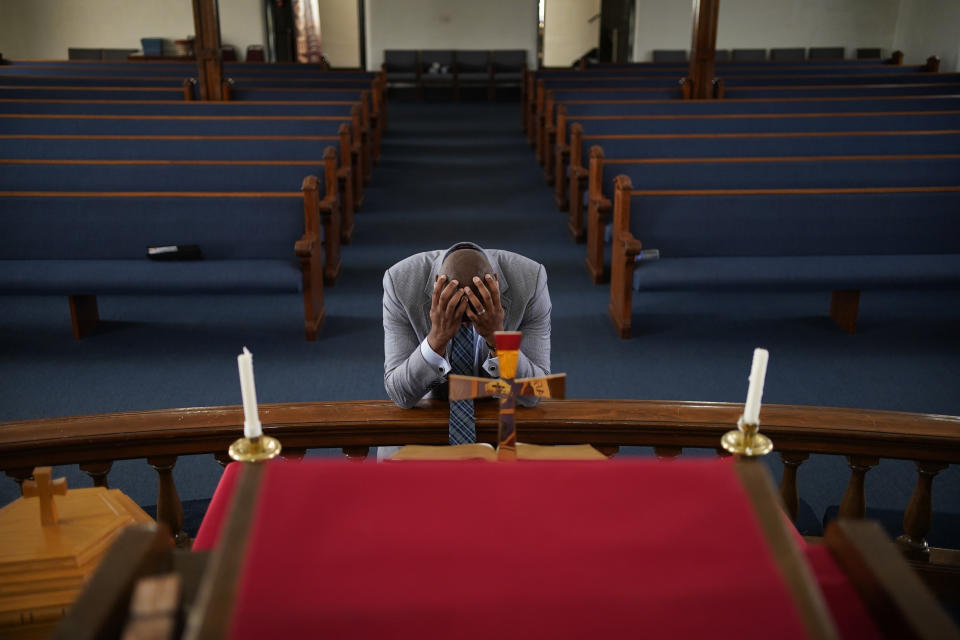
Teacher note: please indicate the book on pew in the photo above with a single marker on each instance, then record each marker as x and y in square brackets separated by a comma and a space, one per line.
[485, 451]
[175, 252]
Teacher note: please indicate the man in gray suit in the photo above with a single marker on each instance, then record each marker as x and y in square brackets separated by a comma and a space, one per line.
[431, 297]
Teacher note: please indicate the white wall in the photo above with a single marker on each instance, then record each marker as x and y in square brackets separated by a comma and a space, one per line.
[340, 32]
[450, 24]
[241, 24]
[766, 24]
[929, 28]
[567, 32]
[662, 24]
[47, 28]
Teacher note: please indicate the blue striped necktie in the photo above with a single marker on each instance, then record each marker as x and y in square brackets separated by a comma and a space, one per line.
[463, 429]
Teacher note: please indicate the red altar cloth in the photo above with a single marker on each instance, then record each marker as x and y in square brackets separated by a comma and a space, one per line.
[632, 548]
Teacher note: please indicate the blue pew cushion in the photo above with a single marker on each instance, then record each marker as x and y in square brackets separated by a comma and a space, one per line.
[81, 277]
[799, 272]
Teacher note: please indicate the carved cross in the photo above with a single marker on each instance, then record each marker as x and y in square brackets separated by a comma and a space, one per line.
[44, 488]
[507, 388]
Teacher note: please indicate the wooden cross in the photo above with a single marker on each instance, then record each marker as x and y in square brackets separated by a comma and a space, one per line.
[508, 352]
[44, 488]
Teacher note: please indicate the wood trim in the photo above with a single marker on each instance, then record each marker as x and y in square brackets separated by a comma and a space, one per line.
[257, 118]
[365, 87]
[30, 136]
[681, 68]
[787, 134]
[900, 604]
[839, 431]
[87, 88]
[759, 116]
[749, 159]
[149, 194]
[332, 220]
[212, 613]
[236, 77]
[844, 305]
[187, 69]
[796, 573]
[762, 100]
[759, 192]
[805, 87]
[207, 47]
[623, 254]
[100, 609]
[308, 252]
[667, 81]
[597, 210]
[177, 102]
[227, 163]
[84, 315]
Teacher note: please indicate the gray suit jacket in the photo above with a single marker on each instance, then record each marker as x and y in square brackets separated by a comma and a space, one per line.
[407, 291]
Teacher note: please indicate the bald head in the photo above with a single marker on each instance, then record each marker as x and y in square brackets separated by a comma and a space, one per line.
[463, 264]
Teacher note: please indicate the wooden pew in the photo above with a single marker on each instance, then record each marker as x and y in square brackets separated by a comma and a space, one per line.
[252, 242]
[602, 129]
[155, 176]
[629, 99]
[640, 148]
[537, 108]
[840, 239]
[339, 127]
[586, 111]
[249, 118]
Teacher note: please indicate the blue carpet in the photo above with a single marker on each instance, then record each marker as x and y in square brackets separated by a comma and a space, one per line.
[451, 172]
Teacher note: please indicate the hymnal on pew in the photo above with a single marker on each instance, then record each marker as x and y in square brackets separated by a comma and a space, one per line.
[175, 252]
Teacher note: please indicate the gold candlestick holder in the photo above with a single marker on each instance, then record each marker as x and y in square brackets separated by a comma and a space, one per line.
[746, 440]
[256, 449]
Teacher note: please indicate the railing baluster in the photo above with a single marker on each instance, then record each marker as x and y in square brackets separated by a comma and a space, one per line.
[854, 503]
[293, 454]
[789, 493]
[608, 450]
[918, 516]
[667, 453]
[356, 454]
[169, 509]
[98, 472]
[20, 475]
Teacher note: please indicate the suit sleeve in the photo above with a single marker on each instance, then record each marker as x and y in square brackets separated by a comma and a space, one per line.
[534, 359]
[407, 376]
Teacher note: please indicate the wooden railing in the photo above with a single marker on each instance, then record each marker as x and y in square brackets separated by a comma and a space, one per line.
[94, 442]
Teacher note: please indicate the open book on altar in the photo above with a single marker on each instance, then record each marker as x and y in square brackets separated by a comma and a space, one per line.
[485, 451]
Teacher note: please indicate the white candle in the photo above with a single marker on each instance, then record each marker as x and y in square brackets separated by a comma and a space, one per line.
[758, 371]
[251, 419]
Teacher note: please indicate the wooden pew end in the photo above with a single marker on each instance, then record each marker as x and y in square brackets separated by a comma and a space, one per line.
[844, 305]
[83, 315]
[312, 326]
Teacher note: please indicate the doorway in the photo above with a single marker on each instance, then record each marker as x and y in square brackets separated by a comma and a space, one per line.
[616, 30]
[569, 31]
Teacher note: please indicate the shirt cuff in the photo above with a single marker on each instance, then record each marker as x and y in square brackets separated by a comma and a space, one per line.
[438, 362]
[492, 367]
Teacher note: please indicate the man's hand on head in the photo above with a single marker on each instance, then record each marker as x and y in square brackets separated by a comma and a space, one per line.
[446, 314]
[488, 317]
